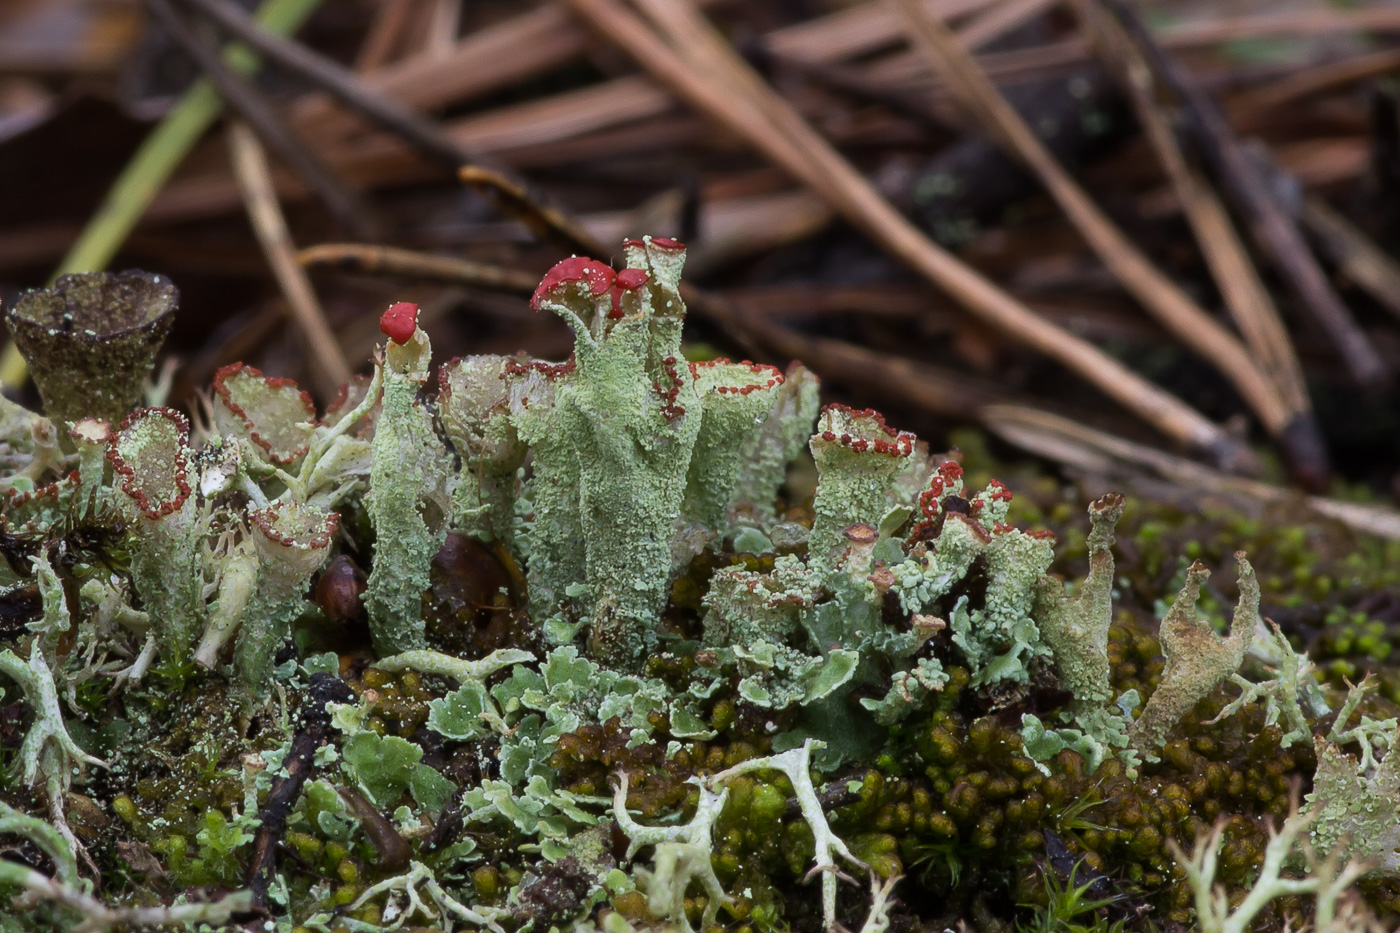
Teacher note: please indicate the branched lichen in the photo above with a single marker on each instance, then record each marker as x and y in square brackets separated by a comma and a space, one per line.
[615, 568]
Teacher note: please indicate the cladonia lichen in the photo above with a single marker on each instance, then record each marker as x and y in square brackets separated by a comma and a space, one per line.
[380, 663]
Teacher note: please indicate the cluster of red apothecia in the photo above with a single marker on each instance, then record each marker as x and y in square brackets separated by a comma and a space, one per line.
[274, 382]
[128, 472]
[775, 376]
[901, 446]
[669, 409]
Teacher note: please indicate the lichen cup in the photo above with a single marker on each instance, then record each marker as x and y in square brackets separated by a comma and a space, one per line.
[91, 340]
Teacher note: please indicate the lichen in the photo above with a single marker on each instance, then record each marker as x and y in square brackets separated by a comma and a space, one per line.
[614, 665]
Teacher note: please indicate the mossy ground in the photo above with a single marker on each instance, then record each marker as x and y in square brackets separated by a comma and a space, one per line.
[978, 830]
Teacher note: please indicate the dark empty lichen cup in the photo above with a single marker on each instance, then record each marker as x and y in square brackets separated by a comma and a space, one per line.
[92, 339]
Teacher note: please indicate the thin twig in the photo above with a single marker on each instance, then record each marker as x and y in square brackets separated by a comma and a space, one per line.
[547, 222]
[1246, 297]
[1157, 293]
[998, 20]
[338, 81]
[1356, 256]
[345, 206]
[1272, 229]
[313, 724]
[344, 85]
[1075, 444]
[425, 267]
[385, 34]
[255, 180]
[720, 84]
[1309, 81]
[160, 154]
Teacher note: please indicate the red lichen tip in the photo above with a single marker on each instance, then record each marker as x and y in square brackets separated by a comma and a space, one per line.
[632, 279]
[666, 242]
[598, 276]
[628, 280]
[399, 322]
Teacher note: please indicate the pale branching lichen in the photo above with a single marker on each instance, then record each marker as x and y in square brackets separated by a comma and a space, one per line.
[1329, 881]
[413, 639]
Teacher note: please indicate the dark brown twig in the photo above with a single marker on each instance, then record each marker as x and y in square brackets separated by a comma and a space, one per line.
[1356, 256]
[512, 199]
[338, 81]
[312, 724]
[507, 195]
[1273, 230]
[240, 94]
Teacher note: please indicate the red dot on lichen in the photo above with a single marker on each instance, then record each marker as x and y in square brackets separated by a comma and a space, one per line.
[399, 322]
[666, 242]
[629, 279]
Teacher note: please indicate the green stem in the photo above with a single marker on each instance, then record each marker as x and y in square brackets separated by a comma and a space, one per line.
[153, 164]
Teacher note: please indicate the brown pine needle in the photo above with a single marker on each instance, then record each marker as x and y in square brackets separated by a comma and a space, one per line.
[328, 365]
[720, 84]
[1157, 293]
[423, 267]
[1356, 256]
[1273, 231]
[1244, 292]
[1077, 445]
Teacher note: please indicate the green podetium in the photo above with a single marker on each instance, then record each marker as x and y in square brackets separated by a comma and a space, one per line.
[150, 458]
[636, 452]
[408, 488]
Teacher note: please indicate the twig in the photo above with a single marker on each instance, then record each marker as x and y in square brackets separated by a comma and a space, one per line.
[1356, 256]
[1311, 81]
[997, 20]
[409, 264]
[385, 34]
[718, 83]
[1272, 229]
[255, 180]
[345, 206]
[312, 724]
[1075, 444]
[161, 153]
[1155, 291]
[545, 221]
[344, 85]
[1244, 293]
[97, 917]
[338, 81]
[930, 388]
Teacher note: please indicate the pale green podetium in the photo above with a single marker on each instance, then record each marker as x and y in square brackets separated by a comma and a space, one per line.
[635, 453]
[408, 491]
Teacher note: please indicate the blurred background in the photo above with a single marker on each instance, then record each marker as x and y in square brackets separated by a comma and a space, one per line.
[1155, 241]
